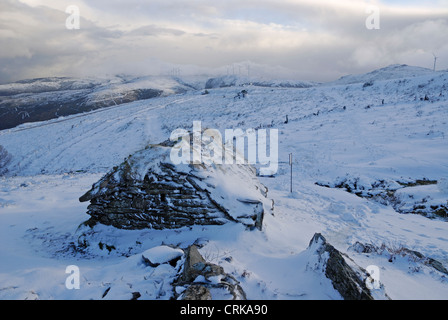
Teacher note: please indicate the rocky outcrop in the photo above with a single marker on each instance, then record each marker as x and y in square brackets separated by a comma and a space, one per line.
[347, 278]
[405, 197]
[206, 281]
[148, 191]
[392, 254]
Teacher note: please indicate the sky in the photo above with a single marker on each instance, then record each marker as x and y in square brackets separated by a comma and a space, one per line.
[314, 40]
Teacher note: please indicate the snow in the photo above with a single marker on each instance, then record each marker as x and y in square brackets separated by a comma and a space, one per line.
[443, 185]
[395, 71]
[162, 254]
[339, 131]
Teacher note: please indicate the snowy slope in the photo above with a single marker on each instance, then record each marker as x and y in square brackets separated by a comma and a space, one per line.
[240, 81]
[50, 98]
[393, 130]
[395, 71]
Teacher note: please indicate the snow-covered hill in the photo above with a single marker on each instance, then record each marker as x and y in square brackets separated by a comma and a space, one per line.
[44, 99]
[395, 71]
[50, 98]
[241, 81]
[360, 153]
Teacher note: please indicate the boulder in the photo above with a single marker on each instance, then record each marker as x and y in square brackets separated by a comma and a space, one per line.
[347, 278]
[194, 264]
[205, 280]
[162, 254]
[197, 292]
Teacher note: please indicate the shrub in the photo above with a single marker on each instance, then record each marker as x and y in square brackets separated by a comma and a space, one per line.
[368, 84]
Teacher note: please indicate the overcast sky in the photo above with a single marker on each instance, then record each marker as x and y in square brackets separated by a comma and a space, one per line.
[293, 39]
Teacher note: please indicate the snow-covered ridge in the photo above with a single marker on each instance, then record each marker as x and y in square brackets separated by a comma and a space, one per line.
[43, 99]
[240, 81]
[49, 98]
[395, 71]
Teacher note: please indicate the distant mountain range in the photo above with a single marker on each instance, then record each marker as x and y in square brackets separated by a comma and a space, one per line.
[43, 99]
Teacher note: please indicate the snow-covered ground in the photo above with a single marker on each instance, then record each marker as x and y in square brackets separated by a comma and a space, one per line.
[389, 125]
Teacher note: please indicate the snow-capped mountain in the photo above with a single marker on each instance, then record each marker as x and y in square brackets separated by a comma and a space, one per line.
[369, 175]
[43, 99]
[50, 98]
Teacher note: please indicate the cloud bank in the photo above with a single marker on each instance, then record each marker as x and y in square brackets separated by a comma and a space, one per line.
[300, 39]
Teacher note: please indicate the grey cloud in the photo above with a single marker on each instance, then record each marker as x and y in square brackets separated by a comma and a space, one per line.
[312, 42]
[152, 30]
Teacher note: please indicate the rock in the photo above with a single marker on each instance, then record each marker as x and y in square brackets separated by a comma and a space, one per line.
[204, 279]
[347, 278]
[159, 255]
[148, 191]
[363, 248]
[197, 292]
[413, 255]
[437, 265]
[194, 264]
[135, 295]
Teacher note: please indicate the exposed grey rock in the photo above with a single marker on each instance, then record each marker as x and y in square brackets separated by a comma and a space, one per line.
[363, 248]
[194, 264]
[204, 279]
[197, 292]
[347, 278]
[135, 295]
[148, 191]
[437, 265]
